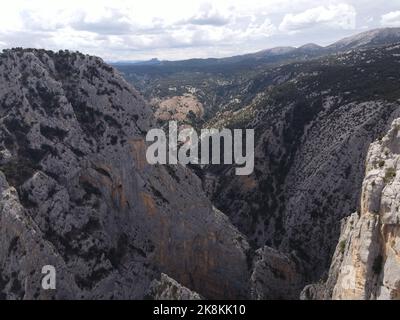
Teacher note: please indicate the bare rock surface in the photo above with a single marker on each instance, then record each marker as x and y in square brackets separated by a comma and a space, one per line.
[366, 261]
[314, 123]
[275, 276]
[315, 112]
[168, 289]
[77, 192]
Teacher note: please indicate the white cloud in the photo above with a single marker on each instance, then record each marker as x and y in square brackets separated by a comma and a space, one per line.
[133, 27]
[176, 29]
[112, 22]
[209, 15]
[391, 19]
[340, 16]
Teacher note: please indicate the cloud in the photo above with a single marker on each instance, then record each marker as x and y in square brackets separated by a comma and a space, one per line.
[177, 29]
[340, 16]
[391, 19]
[208, 15]
[111, 22]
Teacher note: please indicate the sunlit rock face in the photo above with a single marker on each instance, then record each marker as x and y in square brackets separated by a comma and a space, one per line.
[168, 289]
[366, 264]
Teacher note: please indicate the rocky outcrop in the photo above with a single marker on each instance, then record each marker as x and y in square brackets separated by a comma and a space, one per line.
[178, 108]
[275, 276]
[168, 289]
[24, 251]
[77, 192]
[366, 263]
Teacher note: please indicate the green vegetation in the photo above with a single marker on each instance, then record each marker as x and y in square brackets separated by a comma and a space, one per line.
[353, 77]
[342, 246]
[19, 171]
[389, 175]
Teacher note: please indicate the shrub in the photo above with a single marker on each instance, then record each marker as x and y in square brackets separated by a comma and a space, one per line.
[381, 163]
[389, 174]
[342, 246]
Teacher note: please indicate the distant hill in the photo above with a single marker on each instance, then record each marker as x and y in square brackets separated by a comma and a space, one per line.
[370, 38]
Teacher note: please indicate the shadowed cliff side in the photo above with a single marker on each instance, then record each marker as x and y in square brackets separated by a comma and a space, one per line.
[76, 191]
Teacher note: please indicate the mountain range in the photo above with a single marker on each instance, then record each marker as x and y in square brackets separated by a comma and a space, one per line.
[371, 38]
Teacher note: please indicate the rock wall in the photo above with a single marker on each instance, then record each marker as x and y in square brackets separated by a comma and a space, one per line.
[276, 275]
[77, 193]
[366, 263]
[168, 289]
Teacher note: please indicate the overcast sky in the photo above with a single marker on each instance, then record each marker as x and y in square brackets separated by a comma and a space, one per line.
[181, 29]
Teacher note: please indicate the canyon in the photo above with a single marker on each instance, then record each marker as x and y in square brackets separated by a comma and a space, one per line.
[317, 219]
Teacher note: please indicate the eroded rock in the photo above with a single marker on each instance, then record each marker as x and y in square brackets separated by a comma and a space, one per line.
[275, 275]
[366, 261]
[168, 289]
[78, 193]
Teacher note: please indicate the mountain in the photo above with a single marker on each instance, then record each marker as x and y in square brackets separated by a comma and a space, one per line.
[77, 193]
[366, 261]
[314, 122]
[372, 38]
[311, 48]
[314, 119]
[263, 58]
[215, 83]
[150, 62]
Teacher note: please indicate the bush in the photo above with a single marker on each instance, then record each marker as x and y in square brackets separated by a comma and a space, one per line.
[389, 174]
[342, 246]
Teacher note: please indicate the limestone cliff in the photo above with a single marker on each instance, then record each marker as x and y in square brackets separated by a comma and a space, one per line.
[76, 191]
[314, 121]
[366, 263]
[276, 275]
[168, 289]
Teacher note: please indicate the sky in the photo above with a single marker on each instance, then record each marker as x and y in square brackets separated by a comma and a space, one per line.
[180, 29]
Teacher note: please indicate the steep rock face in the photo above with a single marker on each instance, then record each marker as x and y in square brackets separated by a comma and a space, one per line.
[23, 251]
[366, 263]
[313, 127]
[77, 192]
[275, 276]
[314, 122]
[306, 178]
[168, 289]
